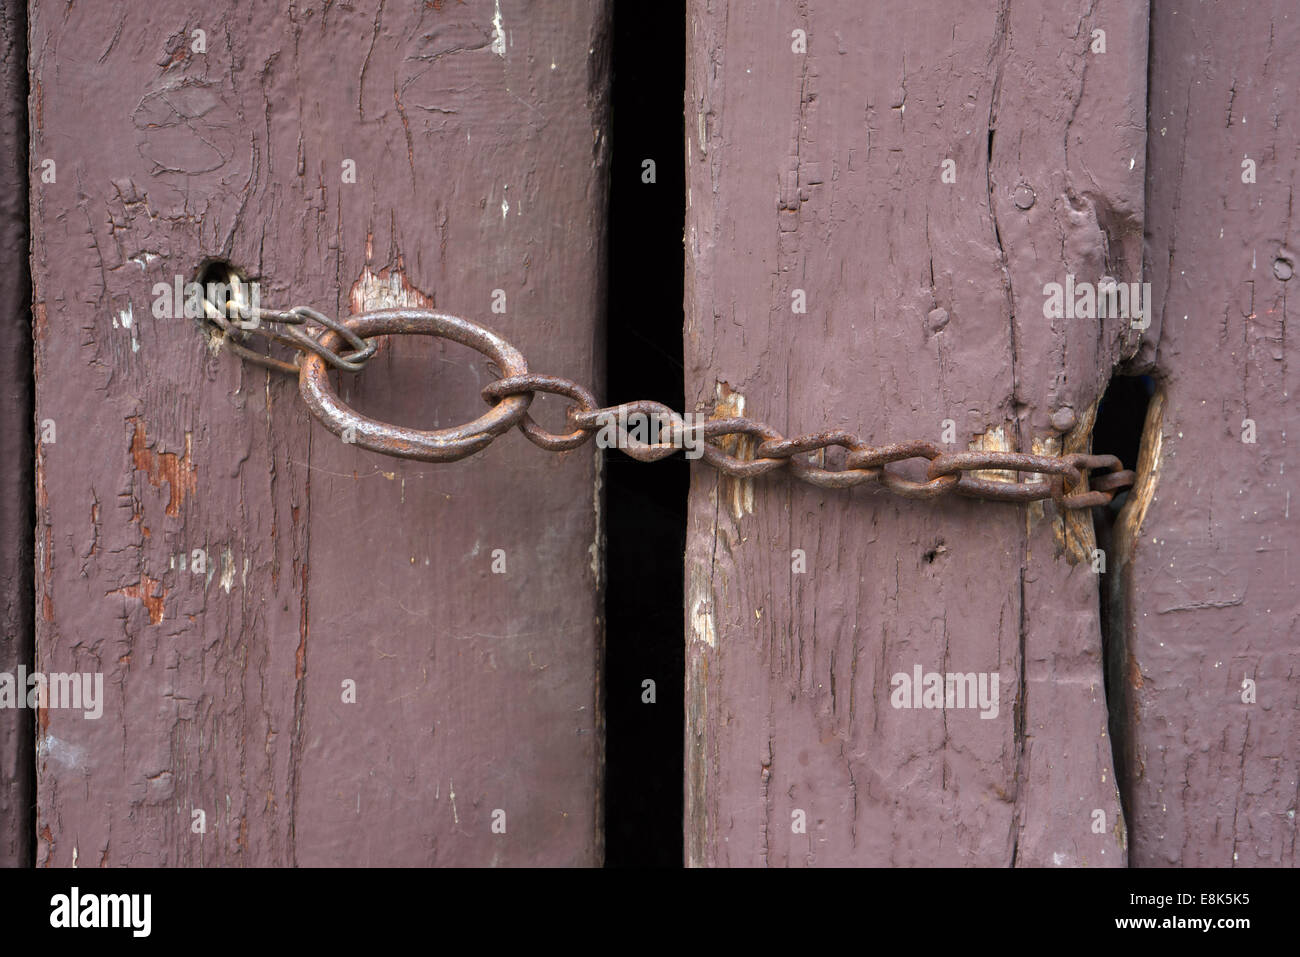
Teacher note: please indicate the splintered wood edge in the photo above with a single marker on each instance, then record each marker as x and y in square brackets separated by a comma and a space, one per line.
[1075, 531]
[1131, 517]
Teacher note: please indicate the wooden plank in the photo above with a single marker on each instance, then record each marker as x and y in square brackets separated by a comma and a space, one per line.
[477, 134]
[1208, 597]
[16, 503]
[822, 171]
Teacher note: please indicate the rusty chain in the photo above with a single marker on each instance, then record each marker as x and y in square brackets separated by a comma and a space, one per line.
[1062, 478]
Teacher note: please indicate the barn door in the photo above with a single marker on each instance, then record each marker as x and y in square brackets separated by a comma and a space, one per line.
[310, 653]
[277, 648]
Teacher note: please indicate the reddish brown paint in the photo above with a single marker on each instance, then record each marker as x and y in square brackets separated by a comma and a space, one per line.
[822, 172]
[323, 562]
[1209, 593]
[923, 307]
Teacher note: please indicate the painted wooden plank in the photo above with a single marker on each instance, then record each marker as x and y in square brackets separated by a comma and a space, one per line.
[475, 135]
[817, 173]
[16, 757]
[1205, 618]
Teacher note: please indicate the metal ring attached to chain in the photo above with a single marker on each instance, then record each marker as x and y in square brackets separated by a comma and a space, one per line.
[440, 445]
[1061, 478]
[533, 382]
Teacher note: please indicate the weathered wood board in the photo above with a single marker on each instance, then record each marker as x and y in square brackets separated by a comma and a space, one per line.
[1207, 612]
[16, 746]
[474, 136]
[818, 176]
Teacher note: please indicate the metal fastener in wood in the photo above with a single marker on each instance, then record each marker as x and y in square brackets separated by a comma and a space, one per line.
[1068, 482]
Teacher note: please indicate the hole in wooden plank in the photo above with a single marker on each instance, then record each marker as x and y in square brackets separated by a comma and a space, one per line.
[1122, 422]
[1120, 419]
[214, 276]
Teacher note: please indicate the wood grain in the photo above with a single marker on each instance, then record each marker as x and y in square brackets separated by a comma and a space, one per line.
[822, 172]
[477, 133]
[1208, 595]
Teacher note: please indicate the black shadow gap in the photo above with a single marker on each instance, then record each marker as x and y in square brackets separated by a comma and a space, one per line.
[645, 502]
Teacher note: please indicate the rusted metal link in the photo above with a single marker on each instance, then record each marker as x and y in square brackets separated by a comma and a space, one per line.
[881, 456]
[1114, 481]
[249, 321]
[232, 338]
[995, 491]
[534, 382]
[731, 465]
[1085, 498]
[1065, 479]
[952, 463]
[817, 442]
[922, 490]
[440, 445]
[663, 419]
[895, 452]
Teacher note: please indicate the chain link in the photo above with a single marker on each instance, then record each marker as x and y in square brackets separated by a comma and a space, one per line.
[1064, 479]
[237, 320]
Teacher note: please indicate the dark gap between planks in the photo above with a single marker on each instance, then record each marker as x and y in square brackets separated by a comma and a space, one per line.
[645, 502]
[1121, 416]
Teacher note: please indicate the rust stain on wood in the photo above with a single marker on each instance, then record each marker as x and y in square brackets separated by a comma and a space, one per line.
[177, 471]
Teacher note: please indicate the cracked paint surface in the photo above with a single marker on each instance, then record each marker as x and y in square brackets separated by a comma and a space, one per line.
[323, 563]
[818, 175]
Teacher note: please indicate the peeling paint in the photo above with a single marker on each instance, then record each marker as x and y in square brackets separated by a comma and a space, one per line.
[498, 32]
[62, 752]
[228, 569]
[125, 319]
[993, 439]
[738, 492]
[178, 472]
[700, 606]
[152, 594]
[387, 289]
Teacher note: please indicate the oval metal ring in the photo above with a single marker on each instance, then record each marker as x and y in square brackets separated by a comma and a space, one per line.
[730, 464]
[906, 488]
[952, 463]
[1085, 499]
[814, 474]
[440, 445]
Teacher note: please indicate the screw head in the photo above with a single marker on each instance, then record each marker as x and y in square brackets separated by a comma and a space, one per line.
[1283, 268]
[1023, 197]
[937, 319]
